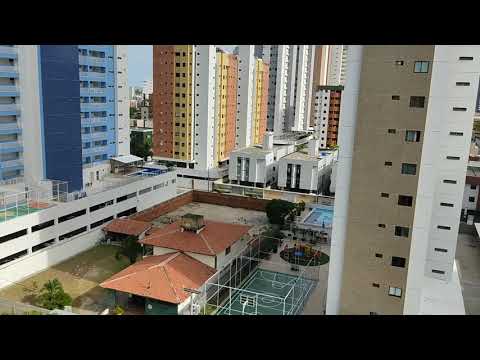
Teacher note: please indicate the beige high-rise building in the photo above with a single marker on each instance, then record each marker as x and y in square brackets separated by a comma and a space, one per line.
[406, 122]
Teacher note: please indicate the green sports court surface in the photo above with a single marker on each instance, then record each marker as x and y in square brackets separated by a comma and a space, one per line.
[268, 293]
[11, 213]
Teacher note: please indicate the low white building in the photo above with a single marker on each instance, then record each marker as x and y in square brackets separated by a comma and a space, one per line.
[257, 165]
[45, 225]
[306, 171]
[470, 203]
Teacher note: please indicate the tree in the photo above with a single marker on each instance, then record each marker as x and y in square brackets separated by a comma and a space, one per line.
[300, 207]
[140, 147]
[277, 210]
[53, 296]
[131, 248]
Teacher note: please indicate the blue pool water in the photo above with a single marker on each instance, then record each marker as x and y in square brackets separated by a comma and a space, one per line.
[320, 216]
[149, 172]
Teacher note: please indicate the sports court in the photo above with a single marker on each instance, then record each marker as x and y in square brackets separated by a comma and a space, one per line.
[9, 213]
[267, 292]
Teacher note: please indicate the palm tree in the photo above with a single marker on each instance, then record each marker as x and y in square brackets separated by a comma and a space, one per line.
[53, 296]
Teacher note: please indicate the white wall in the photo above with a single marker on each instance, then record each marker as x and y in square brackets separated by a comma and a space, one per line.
[122, 98]
[245, 95]
[322, 106]
[90, 174]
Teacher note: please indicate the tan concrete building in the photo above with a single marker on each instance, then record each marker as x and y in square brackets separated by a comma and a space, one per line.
[406, 121]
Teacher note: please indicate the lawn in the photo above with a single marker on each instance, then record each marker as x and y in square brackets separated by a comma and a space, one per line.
[79, 275]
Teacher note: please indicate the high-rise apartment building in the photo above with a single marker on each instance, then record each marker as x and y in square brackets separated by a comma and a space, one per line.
[320, 68]
[337, 64]
[327, 114]
[219, 103]
[290, 91]
[71, 102]
[406, 123]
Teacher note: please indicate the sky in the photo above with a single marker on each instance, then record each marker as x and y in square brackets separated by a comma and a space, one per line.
[140, 63]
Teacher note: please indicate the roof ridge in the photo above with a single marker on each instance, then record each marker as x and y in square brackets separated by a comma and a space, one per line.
[170, 283]
[206, 243]
[154, 236]
[166, 261]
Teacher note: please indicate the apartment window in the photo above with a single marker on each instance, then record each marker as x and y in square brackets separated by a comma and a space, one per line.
[376, 285]
[405, 200]
[379, 255]
[384, 195]
[455, 133]
[462, 83]
[227, 251]
[441, 250]
[43, 225]
[465, 58]
[421, 67]
[473, 187]
[417, 101]
[412, 136]
[442, 227]
[446, 204]
[398, 261]
[13, 235]
[409, 169]
[456, 108]
[399, 62]
[453, 157]
[471, 199]
[395, 97]
[381, 226]
[402, 231]
[72, 215]
[438, 271]
[388, 163]
[394, 291]
[392, 131]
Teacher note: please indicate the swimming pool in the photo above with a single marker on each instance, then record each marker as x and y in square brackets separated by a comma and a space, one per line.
[320, 216]
[149, 172]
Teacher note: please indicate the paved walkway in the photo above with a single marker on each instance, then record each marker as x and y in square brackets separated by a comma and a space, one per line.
[468, 262]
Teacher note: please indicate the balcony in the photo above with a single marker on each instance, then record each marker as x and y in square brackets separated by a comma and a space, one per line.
[9, 71]
[8, 91]
[9, 109]
[95, 135]
[8, 52]
[11, 146]
[92, 91]
[10, 128]
[90, 75]
[11, 164]
[91, 60]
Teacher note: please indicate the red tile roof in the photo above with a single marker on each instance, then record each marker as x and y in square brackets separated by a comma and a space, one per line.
[128, 227]
[161, 277]
[213, 239]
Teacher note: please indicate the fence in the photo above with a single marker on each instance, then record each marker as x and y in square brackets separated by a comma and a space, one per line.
[8, 307]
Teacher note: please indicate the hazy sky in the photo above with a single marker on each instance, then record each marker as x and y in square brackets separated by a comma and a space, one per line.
[140, 63]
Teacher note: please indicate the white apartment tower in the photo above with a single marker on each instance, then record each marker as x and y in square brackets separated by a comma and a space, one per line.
[337, 64]
[406, 123]
[245, 95]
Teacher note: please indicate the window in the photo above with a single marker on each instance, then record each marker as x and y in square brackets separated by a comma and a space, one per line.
[376, 285]
[388, 163]
[441, 250]
[471, 199]
[384, 195]
[72, 233]
[379, 255]
[394, 291]
[462, 83]
[465, 58]
[127, 212]
[381, 225]
[398, 261]
[409, 169]
[100, 222]
[126, 197]
[72, 215]
[399, 62]
[402, 231]
[453, 157]
[455, 133]
[446, 204]
[421, 67]
[441, 227]
[417, 101]
[43, 225]
[101, 206]
[405, 200]
[446, 181]
[13, 235]
[227, 251]
[43, 245]
[456, 108]
[473, 187]
[392, 131]
[373, 312]
[438, 271]
[13, 257]
[395, 97]
[412, 136]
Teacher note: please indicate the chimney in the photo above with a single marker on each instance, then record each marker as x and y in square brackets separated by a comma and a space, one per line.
[268, 141]
[313, 145]
[192, 222]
